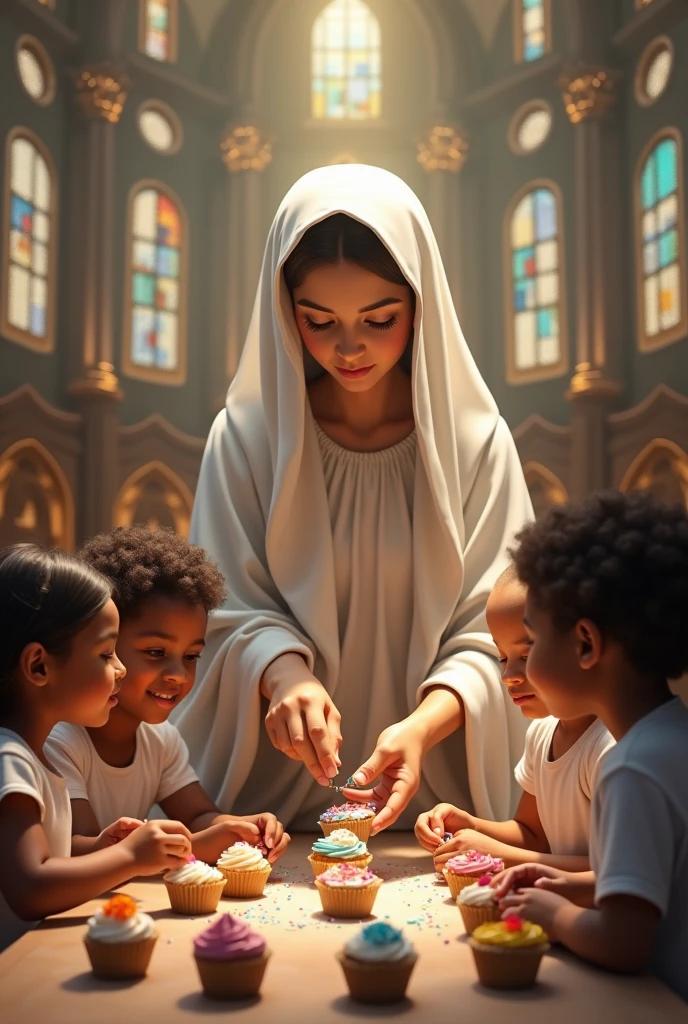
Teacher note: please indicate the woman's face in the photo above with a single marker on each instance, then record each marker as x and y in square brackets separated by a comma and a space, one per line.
[354, 323]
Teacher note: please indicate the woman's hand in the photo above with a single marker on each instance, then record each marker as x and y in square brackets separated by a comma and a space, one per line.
[302, 720]
[431, 825]
[396, 764]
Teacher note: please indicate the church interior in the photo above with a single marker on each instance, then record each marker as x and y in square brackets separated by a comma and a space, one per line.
[147, 145]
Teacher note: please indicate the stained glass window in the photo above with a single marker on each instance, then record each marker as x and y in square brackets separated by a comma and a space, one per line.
[158, 29]
[533, 29]
[156, 239]
[661, 244]
[26, 302]
[536, 281]
[346, 62]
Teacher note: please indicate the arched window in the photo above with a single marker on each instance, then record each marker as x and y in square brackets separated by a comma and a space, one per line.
[155, 338]
[346, 62]
[535, 307]
[155, 496]
[532, 29]
[30, 213]
[662, 301]
[158, 29]
[36, 502]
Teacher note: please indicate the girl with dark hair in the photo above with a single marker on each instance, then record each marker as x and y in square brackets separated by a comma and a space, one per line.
[359, 493]
[58, 663]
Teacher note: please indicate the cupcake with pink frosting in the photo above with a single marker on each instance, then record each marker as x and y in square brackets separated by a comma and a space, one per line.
[231, 959]
[347, 891]
[466, 868]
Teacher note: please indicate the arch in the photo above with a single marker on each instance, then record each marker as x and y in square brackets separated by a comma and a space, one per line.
[36, 501]
[159, 29]
[532, 29]
[662, 292]
[662, 468]
[535, 284]
[155, 334]
[346, 62]
[544, 486]
[156, 496]
[30, 250]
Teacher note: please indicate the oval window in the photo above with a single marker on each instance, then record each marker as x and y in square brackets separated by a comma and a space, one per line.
[160, 127]
[35, 70]
[530, 127]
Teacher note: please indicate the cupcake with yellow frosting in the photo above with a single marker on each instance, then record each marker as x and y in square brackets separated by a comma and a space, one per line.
[340, 847]
[346, 891]
[120, 939]
[245, 871]
[194, 888]
[377, 964]
[507, 953]
[478, 904]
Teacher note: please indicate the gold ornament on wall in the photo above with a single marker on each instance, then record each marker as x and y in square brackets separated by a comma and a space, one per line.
[661, 468]
[444, 150]
[101, 92]
[155, 496]
[245, 149]
[588, 92]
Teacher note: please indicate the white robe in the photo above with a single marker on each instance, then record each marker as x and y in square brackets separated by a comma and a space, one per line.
[273, 509]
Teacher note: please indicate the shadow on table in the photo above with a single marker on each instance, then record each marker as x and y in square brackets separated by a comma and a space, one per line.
[87, 982]
[537, 994]
[350, 1008]
[196, 1002]
[320, 915]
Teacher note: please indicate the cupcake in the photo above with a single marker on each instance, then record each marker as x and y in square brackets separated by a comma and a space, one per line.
[478, 904]
[231, 959]
[194, 888]
[340, 847]
[466, 868]
[245, 870]
[358, 818]
[507, 953]
[346, 891]
[377, 964]
[120, 939]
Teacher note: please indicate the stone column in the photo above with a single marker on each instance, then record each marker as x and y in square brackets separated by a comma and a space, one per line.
[245, 153]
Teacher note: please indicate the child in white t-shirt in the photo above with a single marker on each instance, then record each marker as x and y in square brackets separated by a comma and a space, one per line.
[556, 773]
[164, 589]
[606, 615]
[58, 662]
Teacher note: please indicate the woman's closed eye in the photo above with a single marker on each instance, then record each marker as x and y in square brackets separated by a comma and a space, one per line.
[312, 325]
[383, 325]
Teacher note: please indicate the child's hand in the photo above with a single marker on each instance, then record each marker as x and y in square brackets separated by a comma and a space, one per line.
[537, 906]
[467, 839]
[524, 876]
[272, 834]
[116, 832]
[158, 846]
[431, 825]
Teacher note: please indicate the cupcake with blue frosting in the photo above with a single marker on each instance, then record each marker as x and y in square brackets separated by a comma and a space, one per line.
[341, 847]
[377, 964]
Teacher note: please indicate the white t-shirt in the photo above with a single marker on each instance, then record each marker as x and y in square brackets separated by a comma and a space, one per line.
[22, 772]
[639, 840]
[563, 788]
[159, 769]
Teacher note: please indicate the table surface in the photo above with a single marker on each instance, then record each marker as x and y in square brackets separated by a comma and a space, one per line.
[45, 976]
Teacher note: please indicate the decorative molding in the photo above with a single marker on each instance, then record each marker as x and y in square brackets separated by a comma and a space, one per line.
[445, 149]
[504, 95]
[245, 149]
[59, 498]
[588, 92]
[638, 477]
[40, 21]
[535, 472]
[158, 427]
[101, 92]
[99, 381]
[661, 400]
[181, 93]
[657, 17]
[177, 498]
[592, 383]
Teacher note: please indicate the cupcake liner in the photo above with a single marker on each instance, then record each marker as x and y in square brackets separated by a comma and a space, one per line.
[243, 884]
[507, 968]
[121, 959]
[232, 979]
[377, 983]
[458, 882]
[360, 827]
[474, 916]
[348, 902]
[195, 899]
[320, 864]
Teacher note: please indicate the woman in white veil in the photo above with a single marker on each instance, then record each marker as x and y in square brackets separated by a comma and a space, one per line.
[361, 520]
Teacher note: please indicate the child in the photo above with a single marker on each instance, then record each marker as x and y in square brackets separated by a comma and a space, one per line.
[557, 771]
[606, 614]
[164, 589]
[58, 662]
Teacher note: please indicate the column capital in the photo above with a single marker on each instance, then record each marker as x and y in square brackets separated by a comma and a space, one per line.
[588, 382]
[588, 91]
[101, 91]
[245, 148]
[98, 381]
[444, 149]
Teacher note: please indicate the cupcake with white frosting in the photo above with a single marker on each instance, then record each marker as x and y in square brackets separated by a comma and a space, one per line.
[340, 847]
[194, 888]
[377, 964]
[478, 904]
[245, 870]
[120, 939]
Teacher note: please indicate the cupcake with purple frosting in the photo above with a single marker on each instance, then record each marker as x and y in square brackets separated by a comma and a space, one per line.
[231, 959]
[358, 818]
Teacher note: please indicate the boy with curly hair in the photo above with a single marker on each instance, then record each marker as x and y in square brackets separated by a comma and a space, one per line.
[165, 588]
[606, 613]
